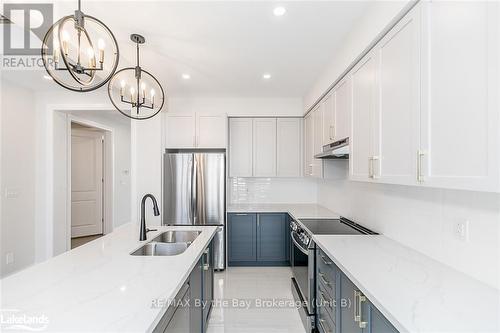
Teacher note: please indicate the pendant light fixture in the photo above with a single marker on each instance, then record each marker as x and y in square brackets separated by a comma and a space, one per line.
[80, 52]
[135, 92]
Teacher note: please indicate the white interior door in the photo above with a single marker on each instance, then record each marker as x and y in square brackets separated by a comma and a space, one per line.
[86, 182]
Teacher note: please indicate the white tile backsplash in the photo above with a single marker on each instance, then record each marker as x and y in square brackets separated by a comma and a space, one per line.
[425, 219]
[272, 190]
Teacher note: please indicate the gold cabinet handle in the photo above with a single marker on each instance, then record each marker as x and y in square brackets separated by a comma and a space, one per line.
[322, 277]
[356, 316]
[322, 323]
[420, 176]
[361, 298]
[323, 259]
[374, 158]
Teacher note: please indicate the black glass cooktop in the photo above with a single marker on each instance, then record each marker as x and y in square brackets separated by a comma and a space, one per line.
[340, 226]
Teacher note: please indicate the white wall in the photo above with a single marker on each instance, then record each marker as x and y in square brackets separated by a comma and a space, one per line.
[238, 106]
[377, 16]
[271, 190]
[425, 220]
[121, 127]
[18, 162]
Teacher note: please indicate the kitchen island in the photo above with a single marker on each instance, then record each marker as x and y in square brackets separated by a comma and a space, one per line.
[99, 286]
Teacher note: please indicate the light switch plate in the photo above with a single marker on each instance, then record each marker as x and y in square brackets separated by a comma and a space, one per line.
[462, 230]
[9, 258]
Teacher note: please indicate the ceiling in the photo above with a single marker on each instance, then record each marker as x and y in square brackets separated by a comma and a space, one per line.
[225, 46]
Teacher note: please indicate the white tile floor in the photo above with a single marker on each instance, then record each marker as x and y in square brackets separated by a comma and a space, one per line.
[251, 284]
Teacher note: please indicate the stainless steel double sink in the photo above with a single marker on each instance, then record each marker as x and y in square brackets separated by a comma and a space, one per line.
[168, 243]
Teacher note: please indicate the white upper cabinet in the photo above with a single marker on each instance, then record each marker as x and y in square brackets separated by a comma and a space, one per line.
[308, 144]
[264, 147]
[288, 143]
[180, 131]
[343, 109]
[460, 125]
[364, 115]
[196, 131]
[240, 147]
[396, 132]
[317, 164]
[211, 130]
[328, 106]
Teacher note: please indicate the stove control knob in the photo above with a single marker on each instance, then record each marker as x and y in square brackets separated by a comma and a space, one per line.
[293, 226]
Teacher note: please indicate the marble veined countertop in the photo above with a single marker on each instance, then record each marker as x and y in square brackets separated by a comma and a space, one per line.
[415, 292]
[99, 286]
[296, 211]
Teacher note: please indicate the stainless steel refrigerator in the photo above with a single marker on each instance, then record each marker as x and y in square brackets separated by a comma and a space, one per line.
[194, 193]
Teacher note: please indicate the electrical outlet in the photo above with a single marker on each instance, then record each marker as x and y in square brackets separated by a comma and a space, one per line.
[9, 258]
[11, 193]
[462, 230]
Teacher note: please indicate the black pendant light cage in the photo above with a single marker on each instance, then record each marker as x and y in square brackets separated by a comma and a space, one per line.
[135, 92]
[80, 66]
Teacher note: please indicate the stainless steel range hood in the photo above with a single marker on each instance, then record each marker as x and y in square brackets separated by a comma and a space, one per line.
[336, 150]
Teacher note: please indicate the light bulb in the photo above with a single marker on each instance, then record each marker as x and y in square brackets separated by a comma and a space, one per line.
[152, 97]
[132, 91]
[152, 92]
[123, 83]
[90, 53]
[65, 36]
[100, 44]
[143, 86]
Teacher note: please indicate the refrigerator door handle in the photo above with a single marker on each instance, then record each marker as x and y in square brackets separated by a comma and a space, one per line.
[194, 190]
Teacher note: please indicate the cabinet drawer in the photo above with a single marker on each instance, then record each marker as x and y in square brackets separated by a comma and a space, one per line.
[325, 321]
[325, 301]
[325, 274]
[324, 263]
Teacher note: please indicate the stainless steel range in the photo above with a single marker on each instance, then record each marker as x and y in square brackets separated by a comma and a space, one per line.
[303, 258]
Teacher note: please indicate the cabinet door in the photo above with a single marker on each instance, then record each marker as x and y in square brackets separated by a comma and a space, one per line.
[343, 109]
[264, 147]
[328, 106]
[348, 307]
[308, 144]
[397, 134]
[271, 237]
[378, 323]
[180, 131]
[242, 238]
[317, 168]
[288, 143]
[211, 131]
[208, 283]
[363, 118]
[460, 126]
[240, 147]
[196, 286]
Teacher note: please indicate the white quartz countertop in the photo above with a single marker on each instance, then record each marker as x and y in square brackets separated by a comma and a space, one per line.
[297, 211]
[415, 292]
[99, 286]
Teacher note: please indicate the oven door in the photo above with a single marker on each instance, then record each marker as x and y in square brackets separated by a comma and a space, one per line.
[302, 262]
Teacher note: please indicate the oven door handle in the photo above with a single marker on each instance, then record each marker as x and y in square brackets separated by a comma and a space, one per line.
[298, 245]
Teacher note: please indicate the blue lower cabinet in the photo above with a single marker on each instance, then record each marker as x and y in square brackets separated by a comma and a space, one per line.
[353, 312]
[258, 239]
[242, 239]
[271, 238]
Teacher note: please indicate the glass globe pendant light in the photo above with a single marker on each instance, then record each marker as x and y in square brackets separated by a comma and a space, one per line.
[135, 92]
[80, 52]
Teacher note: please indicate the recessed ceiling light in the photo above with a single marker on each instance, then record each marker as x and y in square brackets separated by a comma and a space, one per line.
[186, 76]
[266, 76]
[47, 77]
[279, 11]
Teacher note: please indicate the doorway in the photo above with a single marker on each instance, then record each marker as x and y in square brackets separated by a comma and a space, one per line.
[87, 183]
